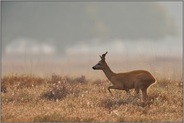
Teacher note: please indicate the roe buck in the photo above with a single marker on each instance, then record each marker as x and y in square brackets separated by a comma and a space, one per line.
[137, 79]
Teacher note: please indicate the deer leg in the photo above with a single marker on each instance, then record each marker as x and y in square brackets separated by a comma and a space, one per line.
[144, 94]
[127, 91]
[136, 91]
[112, 87]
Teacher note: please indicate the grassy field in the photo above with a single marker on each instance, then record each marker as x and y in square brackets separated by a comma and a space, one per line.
[29, 97]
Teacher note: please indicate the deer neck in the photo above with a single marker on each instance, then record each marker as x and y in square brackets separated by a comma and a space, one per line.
[108, 72]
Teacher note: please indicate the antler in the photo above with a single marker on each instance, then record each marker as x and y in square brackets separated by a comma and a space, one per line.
[103, 56]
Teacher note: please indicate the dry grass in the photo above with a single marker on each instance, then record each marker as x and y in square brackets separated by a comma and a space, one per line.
[58, 98]
[64, 97]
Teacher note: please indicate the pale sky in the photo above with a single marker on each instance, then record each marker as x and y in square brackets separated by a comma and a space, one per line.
[39, 28]
[175, 10]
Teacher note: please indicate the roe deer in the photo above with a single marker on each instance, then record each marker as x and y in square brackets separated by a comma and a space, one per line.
[137, 79]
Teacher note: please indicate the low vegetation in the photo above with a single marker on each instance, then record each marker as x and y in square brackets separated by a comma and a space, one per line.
[58, 98]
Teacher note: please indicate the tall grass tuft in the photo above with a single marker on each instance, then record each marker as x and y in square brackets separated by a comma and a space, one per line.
[58, 89]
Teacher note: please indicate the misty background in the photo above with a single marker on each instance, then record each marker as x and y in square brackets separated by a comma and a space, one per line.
[50, 30]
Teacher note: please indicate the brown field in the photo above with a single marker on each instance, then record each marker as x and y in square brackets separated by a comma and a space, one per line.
[78, 93]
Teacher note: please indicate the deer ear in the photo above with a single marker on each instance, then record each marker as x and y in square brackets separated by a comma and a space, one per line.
[104, 54]
[100, 56]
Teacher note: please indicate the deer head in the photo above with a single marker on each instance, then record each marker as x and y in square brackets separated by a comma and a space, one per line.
[101, 63]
